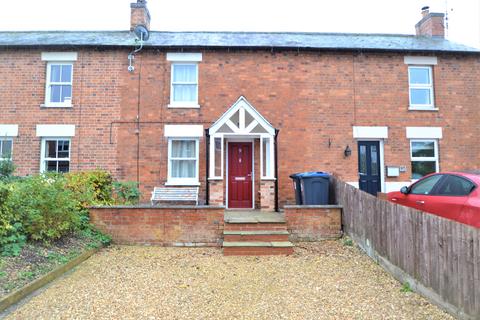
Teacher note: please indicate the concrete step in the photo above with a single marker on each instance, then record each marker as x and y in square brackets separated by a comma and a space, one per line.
[250, 226]
[253, 217]
[257, 248]
[255, 235]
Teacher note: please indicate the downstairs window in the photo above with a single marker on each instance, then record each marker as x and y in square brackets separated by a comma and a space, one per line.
[424, 157]
[55, 155]
[183, 161]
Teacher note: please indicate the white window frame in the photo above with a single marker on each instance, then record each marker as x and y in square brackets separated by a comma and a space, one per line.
[44, 159]
[435, 158]
[183, 181]
[269, 173]
[48, 84]
[183, 104]
[2, 139]
[430, 106]
[213, 163]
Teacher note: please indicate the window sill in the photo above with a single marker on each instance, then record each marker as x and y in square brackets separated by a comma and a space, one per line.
[67, 106]
[180, 105]
[433, 109]
[215, 178]
[267, 179]
[180, 184]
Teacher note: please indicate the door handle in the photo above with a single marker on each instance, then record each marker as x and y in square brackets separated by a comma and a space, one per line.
[420, 202]
[394, 199]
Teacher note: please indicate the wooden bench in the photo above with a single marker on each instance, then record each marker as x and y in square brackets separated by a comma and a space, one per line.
[174, 194]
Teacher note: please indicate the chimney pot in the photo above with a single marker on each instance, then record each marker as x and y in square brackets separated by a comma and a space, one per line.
[139, 14]
[425, 11]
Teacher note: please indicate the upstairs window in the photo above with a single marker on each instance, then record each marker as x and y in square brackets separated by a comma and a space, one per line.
[6, 149]
[55, 155]
[59, 84]
[184, 79]
[420, 87]
[184, 83]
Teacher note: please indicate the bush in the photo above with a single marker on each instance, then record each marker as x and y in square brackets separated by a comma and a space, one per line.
[7, 218]
[97, 237]
[6, 168]
[91, 187]
[46, 208]
[5, 213]
[12, 238]
[126, 192]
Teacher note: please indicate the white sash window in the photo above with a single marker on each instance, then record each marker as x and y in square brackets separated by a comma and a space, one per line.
[183, 161]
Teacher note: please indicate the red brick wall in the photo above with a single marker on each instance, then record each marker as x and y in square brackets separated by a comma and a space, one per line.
[313, 223]
[169, 226]
[309, 96]
[96, 99]
[313, 98]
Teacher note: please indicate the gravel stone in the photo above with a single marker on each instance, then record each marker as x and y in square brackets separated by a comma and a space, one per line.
[324, 280]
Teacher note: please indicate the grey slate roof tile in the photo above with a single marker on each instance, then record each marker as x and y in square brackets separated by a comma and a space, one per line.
[316, 41]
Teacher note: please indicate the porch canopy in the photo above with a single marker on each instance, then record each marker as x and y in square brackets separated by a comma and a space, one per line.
[242, 120]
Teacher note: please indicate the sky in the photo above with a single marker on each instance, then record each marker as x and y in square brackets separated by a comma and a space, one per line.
[352, 16]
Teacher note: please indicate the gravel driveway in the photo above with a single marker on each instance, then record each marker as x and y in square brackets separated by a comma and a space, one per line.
[324, 280]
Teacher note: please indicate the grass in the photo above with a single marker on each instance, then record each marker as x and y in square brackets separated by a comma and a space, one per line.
[347, 242]
[406, 288]
[58, 258]
[26, 275]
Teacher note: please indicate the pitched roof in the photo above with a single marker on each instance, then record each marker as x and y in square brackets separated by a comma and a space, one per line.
[295, 40]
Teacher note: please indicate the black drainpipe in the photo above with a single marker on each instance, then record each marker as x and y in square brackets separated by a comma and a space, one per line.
[207, 167]
[276, 169]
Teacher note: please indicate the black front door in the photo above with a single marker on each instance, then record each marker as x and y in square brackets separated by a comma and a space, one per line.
[369, 166]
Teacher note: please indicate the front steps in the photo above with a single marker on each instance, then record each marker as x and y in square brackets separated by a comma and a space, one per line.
[255, 233]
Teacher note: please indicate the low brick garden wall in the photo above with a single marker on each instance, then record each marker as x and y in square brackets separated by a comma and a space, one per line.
[161, 225]
[314, 223]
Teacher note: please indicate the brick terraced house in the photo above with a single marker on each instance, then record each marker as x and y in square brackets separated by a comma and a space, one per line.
[236, 113]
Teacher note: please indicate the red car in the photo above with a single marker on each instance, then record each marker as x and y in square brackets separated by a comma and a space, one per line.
[452, 195]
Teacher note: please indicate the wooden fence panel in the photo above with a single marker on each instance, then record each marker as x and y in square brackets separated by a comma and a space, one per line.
[441, 255]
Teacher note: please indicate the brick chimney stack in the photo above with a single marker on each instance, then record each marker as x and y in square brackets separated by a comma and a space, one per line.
[139, 14]
[431, 25]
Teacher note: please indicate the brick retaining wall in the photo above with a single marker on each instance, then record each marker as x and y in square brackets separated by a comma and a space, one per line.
[313, 223]
[168, 226]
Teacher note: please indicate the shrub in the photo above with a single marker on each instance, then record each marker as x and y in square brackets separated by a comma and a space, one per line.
[12, 238]
[7, 218]
[126, 192]
[6, 168]
[97, 237]
[91, 187]
[5, 213]
[46, 208]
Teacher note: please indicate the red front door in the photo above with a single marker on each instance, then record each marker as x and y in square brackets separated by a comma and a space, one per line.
[240, 175]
